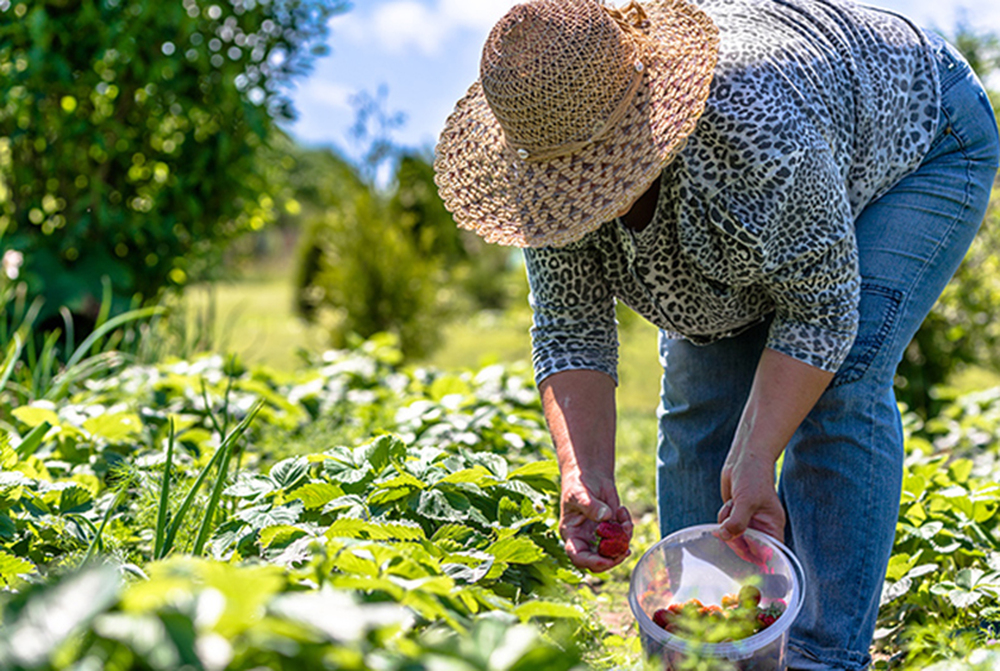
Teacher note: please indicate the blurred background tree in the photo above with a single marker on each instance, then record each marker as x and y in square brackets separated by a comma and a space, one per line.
[389, 258]
[962, 329]
[133, 135]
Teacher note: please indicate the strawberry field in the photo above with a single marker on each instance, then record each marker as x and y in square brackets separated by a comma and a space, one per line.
[358, 513]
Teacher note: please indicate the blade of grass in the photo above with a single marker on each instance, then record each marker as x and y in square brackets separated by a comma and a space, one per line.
[220, 480]
[218, 457]
[13, 354]
[208, 410]
[31, 441]
[110, 325]
[105, 310]
[161, 514]
[96, 540]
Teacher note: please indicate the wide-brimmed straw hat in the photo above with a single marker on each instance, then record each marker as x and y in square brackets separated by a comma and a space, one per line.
[577, 109]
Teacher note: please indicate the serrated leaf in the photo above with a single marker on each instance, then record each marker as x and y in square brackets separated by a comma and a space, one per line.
[288, 472]
[516, 550]
[899, 565]
[280, 534]
[477, 475]
[250, 486]
[548, 468]
[266, 515]
[960, 469]
[346, 527]
[114, 427]
[33, 415]
[553, 609]
[12, 567]
[378, 454]
[350, 505]
[457, 532]
[316, 494]
[75, 499]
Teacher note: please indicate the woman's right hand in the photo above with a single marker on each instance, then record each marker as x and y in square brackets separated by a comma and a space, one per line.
[585, 502]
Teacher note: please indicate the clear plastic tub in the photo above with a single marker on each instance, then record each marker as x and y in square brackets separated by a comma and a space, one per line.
[694, 564]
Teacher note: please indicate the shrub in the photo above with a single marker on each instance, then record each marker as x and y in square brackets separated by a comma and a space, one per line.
[131, 136]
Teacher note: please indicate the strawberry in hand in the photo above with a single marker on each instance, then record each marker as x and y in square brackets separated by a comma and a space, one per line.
[612, 539]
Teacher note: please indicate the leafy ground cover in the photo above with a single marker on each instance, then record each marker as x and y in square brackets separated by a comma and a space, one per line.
[356, 513]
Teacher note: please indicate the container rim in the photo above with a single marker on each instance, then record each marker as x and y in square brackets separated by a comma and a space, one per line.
[733, 649]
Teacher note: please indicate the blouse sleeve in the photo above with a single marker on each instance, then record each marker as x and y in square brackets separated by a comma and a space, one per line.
[573, 309]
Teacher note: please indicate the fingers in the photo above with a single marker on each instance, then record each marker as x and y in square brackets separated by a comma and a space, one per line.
[736, 521]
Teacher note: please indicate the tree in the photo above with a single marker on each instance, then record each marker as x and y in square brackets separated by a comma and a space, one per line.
[131, 136]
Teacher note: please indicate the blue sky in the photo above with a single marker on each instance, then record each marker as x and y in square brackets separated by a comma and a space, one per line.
[426, 54]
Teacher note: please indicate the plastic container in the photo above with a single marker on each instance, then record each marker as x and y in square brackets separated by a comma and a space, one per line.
[694, 563]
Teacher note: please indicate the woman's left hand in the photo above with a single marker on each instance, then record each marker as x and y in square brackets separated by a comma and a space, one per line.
[750, 498]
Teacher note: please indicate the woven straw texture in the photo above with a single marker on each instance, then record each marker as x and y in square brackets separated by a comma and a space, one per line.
[577, 109]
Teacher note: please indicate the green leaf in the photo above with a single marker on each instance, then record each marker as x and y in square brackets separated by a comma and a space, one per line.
[552, 609]
[960, 469]
[114, 427]
[378, 454]
[34, 415]
[477, 475]
[288, 472]
[55, 612]
[12, 567]
[266, 515]
[280, 534]
[250, 486]
[516, 550]
[548, 469]
[75, 499]
[316, 494]
[447, 385]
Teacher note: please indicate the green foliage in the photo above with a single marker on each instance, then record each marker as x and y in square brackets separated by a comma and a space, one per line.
[434, 544]
[395, 263]
[960, 330]
[941, 600]
[366, 272]
[132, 137]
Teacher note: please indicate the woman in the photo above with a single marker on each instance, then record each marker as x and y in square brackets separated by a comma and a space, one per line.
[784, 187]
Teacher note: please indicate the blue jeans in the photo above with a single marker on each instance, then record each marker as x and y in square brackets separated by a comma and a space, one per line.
[842, 472]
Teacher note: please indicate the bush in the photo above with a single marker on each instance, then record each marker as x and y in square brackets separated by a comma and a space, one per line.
[131, 137]
[396, 263]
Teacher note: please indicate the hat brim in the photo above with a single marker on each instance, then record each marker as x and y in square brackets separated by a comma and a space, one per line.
[511, 201]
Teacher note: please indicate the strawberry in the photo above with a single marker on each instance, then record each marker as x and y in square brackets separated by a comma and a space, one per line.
[765, 619]
[662, 617]
[612, 541]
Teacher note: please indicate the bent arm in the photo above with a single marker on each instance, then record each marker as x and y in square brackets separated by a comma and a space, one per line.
[784, 391]
[580, 410]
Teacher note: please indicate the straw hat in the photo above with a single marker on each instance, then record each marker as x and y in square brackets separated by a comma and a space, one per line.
[578, 108]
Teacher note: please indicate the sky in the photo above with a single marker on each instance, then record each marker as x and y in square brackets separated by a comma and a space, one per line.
[424, 54]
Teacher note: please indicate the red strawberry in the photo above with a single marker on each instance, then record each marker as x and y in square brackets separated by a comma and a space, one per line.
[765, 620]
[612, 540]
[661, 618]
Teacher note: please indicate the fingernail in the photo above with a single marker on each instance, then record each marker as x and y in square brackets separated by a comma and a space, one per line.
[725, 535]
[603, 512]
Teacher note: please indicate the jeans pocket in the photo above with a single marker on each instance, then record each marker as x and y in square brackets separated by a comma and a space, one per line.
[878, 309]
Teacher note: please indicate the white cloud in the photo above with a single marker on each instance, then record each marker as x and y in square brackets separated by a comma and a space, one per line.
[476, 14]
[405, 23]
[424, 26]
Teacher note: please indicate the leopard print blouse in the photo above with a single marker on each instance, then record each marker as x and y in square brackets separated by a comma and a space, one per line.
[816, 109]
